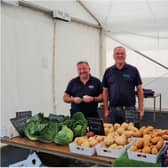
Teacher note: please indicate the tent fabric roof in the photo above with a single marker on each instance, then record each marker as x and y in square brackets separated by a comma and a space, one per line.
[131, 15]
[117, 15]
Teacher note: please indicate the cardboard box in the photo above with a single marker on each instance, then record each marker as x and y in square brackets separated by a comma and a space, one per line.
[74, 148]
[110, 152]
[140, 156]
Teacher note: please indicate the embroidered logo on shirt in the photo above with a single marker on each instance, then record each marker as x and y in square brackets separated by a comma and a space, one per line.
[91, 86]
[126, 76]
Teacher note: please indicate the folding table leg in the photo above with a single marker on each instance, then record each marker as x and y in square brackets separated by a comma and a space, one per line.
[154, 106]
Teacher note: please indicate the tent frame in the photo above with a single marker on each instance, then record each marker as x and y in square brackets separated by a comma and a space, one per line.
[102, 33]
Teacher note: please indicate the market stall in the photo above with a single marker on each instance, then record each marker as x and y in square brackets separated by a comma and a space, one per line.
[79, 138]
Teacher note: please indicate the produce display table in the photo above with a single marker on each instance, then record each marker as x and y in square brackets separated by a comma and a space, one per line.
[54, 149]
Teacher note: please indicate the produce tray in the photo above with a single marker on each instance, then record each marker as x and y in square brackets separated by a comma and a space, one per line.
[110, 152]
[74, 148]
[140, 156]
[124, 161]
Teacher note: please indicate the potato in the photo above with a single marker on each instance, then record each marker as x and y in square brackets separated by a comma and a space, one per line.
[133, 148]
[121, 140]
[112, 134]
[99, 138]
[85, 144]
[120, 130]
[106, 130]
[128, 133]
[116, 126]
[165, 137]
[124, 125]
[155, 140]
[116, 134]
[150, 128]
[159, 144]
[146, 149]
[91, 138]
[139, 143]
[113, 146]
[93, 142]
[131, 126]
[142, 128]
[154, 150]
[80, 140]
[155, 134]
[107, 125]
[147, 137]
[119, 147]
[147, 142]
[111, 130]
[109, 140]
[137, 133]
[160, 132]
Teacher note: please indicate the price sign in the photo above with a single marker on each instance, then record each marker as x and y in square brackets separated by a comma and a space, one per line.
[96, 125]
[19, 123]
[23, 114]
[55, 117]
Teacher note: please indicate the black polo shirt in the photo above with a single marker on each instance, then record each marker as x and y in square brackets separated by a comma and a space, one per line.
[76, 88]
[121, 85]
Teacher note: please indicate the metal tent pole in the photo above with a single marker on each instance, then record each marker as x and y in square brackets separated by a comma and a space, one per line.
[48, 12]
[88, 11]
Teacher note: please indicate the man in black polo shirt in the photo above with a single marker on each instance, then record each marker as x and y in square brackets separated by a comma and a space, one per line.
[119, 82]
[84, 92]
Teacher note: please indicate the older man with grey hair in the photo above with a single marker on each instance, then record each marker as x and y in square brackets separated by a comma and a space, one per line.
[119, 84]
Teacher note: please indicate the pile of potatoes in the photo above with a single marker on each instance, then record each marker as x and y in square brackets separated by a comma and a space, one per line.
[148, 144]
[117, 136]
[149, 130]
[124, 128]
[88, 142]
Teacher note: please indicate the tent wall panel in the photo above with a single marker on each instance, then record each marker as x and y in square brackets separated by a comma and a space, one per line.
[74, 43]
[27, 41]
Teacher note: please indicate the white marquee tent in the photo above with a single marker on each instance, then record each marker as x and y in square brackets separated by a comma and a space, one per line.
[39, 53]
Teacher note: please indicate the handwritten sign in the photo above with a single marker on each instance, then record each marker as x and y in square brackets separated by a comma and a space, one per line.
[55, 117]
[23, 114]
[19, 124]
[96, 125]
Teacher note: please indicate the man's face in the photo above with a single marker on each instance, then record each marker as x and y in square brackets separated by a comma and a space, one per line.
[119, 55]
[83, 70]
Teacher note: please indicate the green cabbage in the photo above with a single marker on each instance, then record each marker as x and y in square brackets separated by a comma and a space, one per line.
[48, 133]
[33, 129]
[64, 136]
[61, 132]
[77, 130]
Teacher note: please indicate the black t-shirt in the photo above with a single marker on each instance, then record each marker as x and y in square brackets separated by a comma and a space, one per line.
[121, 85]
[76, 88]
